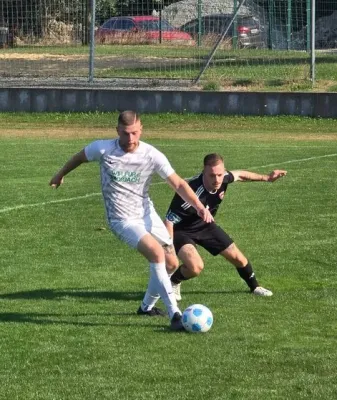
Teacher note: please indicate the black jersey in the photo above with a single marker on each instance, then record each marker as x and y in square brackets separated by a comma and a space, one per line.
[184, 216]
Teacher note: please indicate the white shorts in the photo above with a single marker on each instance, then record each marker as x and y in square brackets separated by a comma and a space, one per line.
[132, 230]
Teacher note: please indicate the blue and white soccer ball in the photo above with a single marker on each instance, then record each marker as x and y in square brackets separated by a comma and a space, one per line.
[197, 318]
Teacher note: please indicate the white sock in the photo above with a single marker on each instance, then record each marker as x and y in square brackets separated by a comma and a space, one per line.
[160, 283]
[151, 295]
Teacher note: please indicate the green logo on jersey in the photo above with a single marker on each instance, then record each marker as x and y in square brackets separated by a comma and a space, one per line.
[125, 176]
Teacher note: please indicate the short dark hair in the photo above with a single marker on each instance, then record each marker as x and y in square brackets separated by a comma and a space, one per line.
[128, 118]
[212, 159]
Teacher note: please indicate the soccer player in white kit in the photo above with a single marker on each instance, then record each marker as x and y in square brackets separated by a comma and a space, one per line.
[126, 168]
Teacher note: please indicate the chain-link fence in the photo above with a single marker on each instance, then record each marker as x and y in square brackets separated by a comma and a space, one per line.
[241, 43]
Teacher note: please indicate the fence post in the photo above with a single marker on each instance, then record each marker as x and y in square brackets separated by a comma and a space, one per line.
[85, 21]
[92, 41]
[271, 11]
[199, 22]
[289, 24]
[217, 44]
[313, 27]
[308, 25]
[235, 26]
[160, 23]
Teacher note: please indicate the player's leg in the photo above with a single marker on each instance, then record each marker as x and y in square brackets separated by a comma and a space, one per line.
[191, 266]
[159, 280]
[135, 234]
[216, 241]
[171, 259]
[151, 296]
[155, 226]
[211, 237]
[234, 255]
[172, 264]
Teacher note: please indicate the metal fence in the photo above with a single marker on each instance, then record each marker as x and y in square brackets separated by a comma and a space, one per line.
[220, 43]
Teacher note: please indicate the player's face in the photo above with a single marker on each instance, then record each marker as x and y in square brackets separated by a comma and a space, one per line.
[213, 176]
[129, 136]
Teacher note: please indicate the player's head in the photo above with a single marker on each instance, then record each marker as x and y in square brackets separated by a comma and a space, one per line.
[213, 172]
[129, 130]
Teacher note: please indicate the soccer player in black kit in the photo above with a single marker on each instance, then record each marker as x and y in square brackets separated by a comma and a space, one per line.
[188, 230]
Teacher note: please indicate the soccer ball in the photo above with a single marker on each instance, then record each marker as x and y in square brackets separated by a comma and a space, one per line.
[197, 318]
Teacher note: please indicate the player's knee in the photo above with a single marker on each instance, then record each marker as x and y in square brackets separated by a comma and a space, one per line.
[157, 254]
[151, 249]
[235, 256]
[196, 268]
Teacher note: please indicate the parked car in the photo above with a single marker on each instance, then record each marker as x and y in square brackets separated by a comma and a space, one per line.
[329, 42]
[248, 30]
[146, 29]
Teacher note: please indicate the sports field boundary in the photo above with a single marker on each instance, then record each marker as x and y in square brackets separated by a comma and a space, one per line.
[62, 99]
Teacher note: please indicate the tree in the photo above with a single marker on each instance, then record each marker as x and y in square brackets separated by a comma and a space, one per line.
[140, 7]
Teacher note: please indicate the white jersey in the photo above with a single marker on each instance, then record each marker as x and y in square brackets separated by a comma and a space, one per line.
[126, 177]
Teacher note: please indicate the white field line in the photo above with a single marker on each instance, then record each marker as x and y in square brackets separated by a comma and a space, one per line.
[22, 206]
[295, 161]
[44, 203]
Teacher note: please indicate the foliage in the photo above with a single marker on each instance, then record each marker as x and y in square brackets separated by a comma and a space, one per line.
[136, 7]
[104, 10]
[34, 17]
[211, 86]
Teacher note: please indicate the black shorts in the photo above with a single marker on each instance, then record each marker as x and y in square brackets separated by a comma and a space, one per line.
[211, 237]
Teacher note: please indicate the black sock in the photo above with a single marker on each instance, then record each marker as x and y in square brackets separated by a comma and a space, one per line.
[178, 277]
[247, 274]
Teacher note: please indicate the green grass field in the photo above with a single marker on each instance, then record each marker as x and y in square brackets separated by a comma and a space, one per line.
[69, 289]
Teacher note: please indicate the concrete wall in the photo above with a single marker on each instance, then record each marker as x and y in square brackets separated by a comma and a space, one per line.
[226, 103]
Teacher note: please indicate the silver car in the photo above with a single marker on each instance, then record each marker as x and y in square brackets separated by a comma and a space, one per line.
[248, 31]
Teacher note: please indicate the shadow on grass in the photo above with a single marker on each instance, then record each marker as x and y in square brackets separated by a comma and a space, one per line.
[63, 294]
[60, 319]
[210, 292]
[59, 294]
[42, 319]
[243, 82]
[275, 82]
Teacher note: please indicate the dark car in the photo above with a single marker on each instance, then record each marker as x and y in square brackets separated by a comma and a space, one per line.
[247, 29]
[146, 29]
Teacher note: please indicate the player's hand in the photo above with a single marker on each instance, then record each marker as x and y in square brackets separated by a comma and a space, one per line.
[205, 215]
[274, 175]
[56, 181]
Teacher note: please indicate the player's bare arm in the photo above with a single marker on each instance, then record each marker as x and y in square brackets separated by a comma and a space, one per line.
[70, 165]
[187, 194]
[247, 176]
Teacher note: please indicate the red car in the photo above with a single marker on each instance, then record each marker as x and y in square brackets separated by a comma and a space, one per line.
[139, 29]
